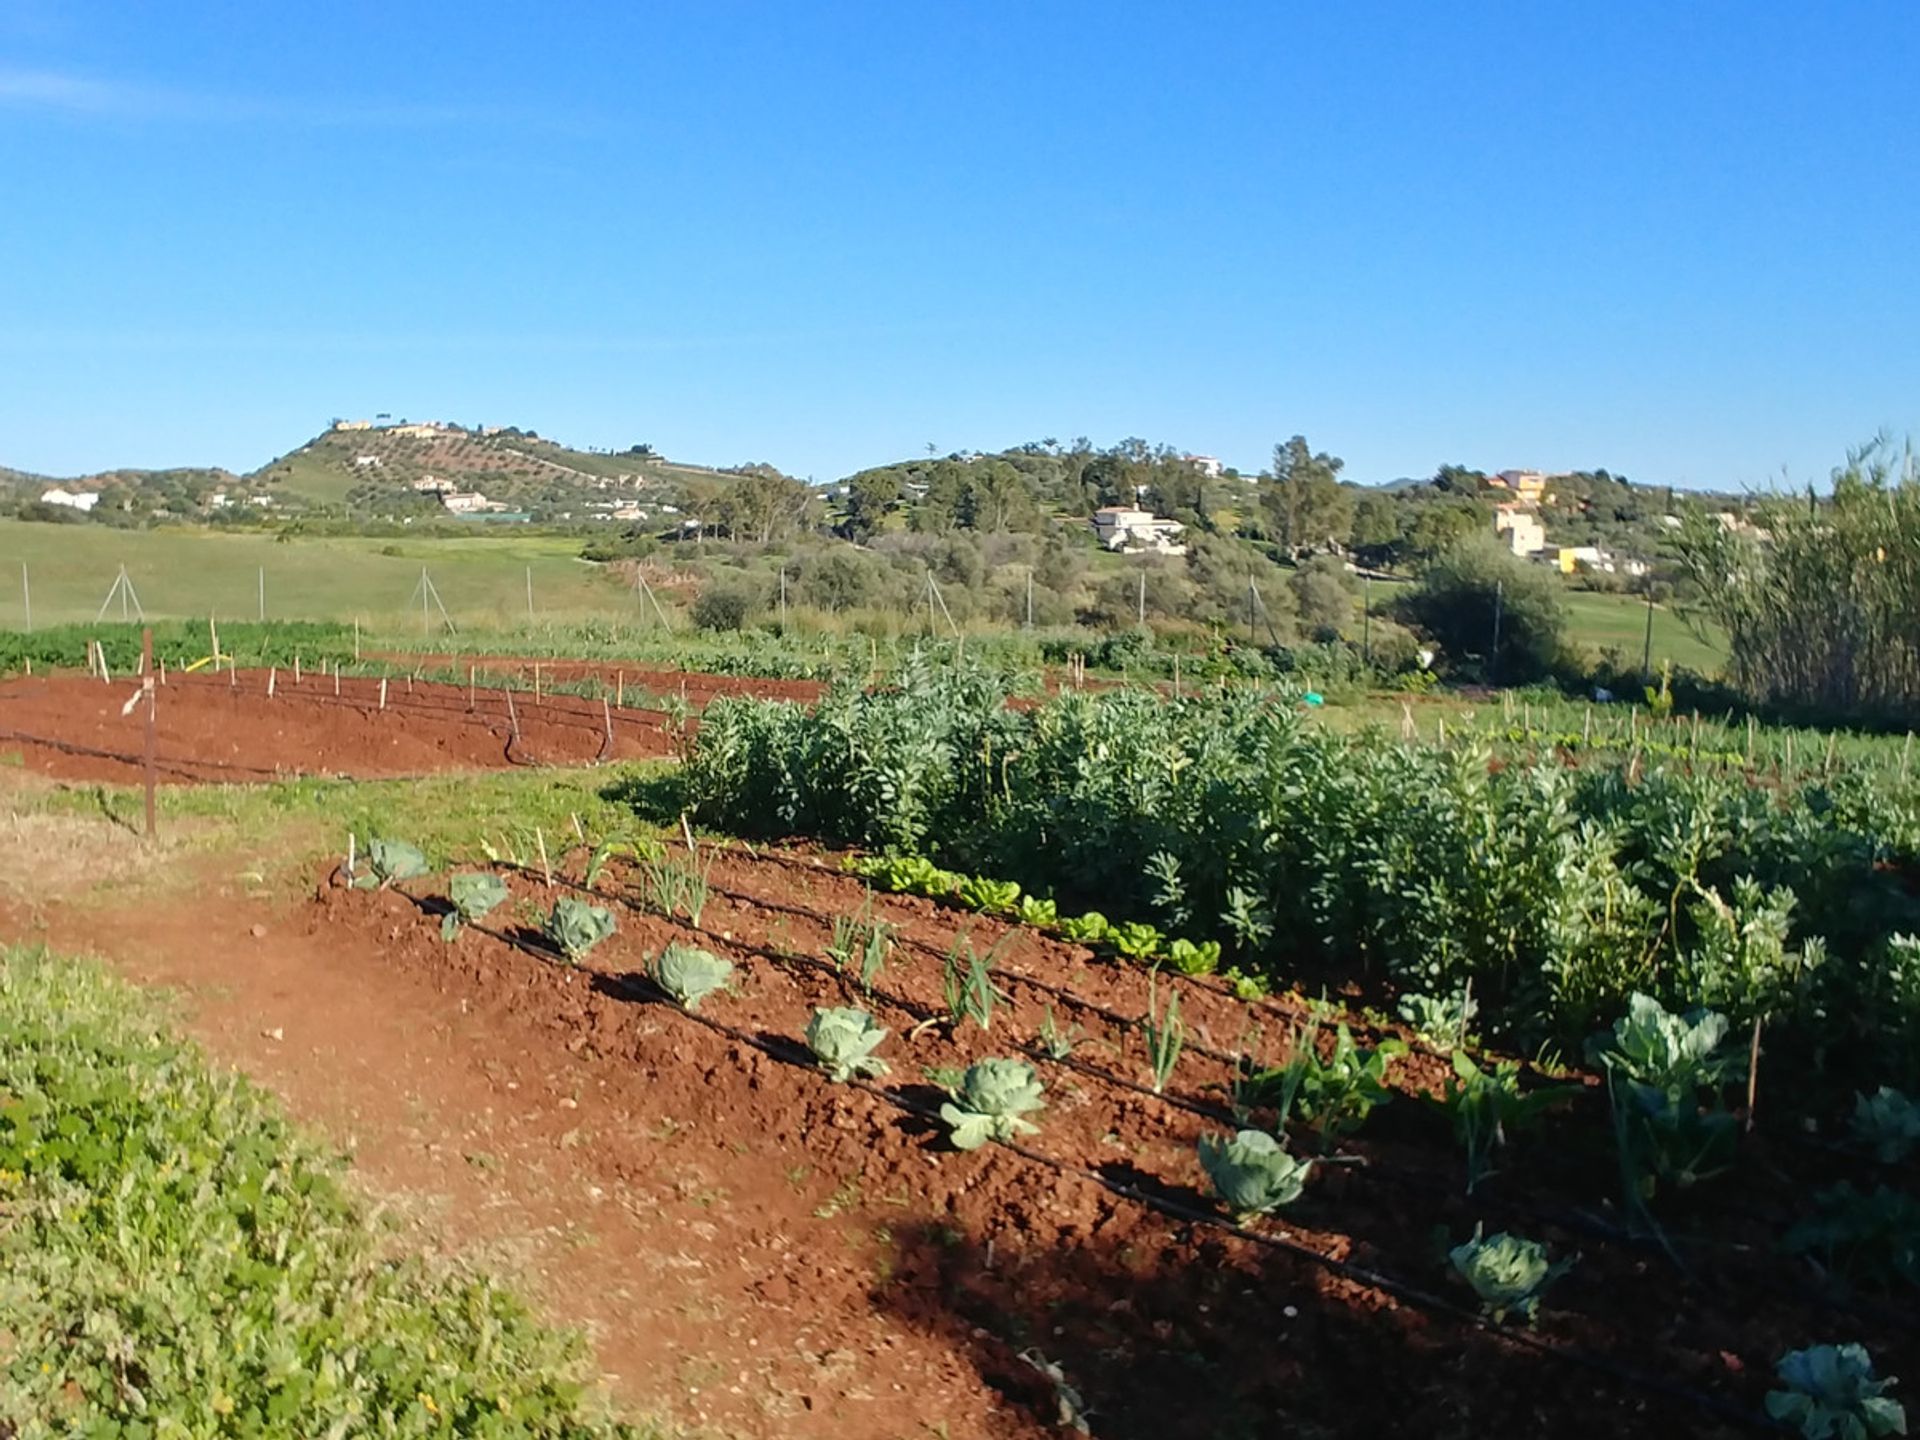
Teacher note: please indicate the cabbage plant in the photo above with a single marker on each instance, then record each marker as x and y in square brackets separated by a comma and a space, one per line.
[843, 1040]
[1831, 1394]
[1252, 1173]
[471, 894]
[1190, 958]
[390, 861]
[689, 974]
[990, 1102]
[1507, 1273]
[1661, 1067]
[573, 927]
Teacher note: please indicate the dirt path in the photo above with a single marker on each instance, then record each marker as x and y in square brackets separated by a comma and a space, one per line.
[520, 1148]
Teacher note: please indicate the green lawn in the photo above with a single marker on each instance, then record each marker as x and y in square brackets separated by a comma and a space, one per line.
[1621, 621]
[182, 572]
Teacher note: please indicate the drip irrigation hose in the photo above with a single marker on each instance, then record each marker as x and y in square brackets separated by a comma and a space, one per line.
[1401, 1290]
[1577, 1221]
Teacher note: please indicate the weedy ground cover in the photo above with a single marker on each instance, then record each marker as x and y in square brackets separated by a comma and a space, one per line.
[177, 1260]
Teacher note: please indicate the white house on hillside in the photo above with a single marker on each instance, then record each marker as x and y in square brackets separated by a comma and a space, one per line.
[1134, 532]
[72, 499]
[1525, 534]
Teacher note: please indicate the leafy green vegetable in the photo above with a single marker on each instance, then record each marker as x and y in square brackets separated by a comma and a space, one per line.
[472, 893]
[689, 974]
[843, 1041]
[908, 874]
[1887, 1123]
[992, 897]
[863, 943]
[1136, 940]
[1041, 914]
[969, 988]
[573, 927]
[1088, 929]
[1507, 1273]
[389, 862]
[994, 1097]
[1252, 1173]
[1191, 959]
[1831, 1394]
[1660, 1067]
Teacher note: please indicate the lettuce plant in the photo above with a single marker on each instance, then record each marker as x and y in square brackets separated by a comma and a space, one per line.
[843, 1040]
[472, 894]
[1088, 929]
[991, 897]
[689, 974]
[1830, 1394]
[1887, 1123]
[1507, 1273]
[1041, 914]
[573, 927]
[389, 862]
[993, 1097]
[1193, 959]
[1136, 940]
[1252, 1173]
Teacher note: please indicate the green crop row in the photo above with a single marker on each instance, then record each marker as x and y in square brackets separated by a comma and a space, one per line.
[1556, 892]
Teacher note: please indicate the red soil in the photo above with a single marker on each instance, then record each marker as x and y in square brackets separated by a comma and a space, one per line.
[642, 685]
[224, 728]
[1167, 1327]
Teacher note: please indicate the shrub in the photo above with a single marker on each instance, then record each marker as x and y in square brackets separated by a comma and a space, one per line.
[1456, 600]
[724, 606]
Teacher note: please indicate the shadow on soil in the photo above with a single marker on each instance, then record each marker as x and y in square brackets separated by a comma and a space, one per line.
[1178, 1337]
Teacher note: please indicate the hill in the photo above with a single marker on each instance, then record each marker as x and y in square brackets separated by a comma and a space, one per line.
[399, 470]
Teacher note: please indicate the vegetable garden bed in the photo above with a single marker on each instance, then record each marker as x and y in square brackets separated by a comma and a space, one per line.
[1094, 1247]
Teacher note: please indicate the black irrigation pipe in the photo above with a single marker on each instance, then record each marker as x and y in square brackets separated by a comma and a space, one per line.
[1347, 1270]
[1571, 1220]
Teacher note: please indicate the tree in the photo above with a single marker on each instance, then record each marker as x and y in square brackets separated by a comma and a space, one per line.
[1375, 532]
[870, 495]
[1303, 504]
[1479, 580]
[763, 505]
[993, 495]
[1322, 597]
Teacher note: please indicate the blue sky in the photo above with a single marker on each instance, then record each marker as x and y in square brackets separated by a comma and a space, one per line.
[1680, 241]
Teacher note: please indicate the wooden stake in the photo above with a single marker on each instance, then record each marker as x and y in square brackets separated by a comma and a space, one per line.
[607, 714]
[296, 667]
[356, 638]
[513, 717]
[536, 681]
[1753, 1072]
[620, 690]
[540, 839]
[383, 692]
[470, 687]
[146, 665]
[273, 673]
[336, 678]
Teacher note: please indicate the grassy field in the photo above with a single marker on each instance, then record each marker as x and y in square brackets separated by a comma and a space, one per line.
[1599, 621]
[181, 573]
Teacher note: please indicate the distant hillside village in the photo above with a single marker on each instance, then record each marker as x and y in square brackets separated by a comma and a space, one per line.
[1156, 504]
